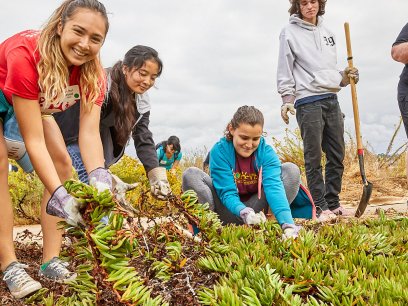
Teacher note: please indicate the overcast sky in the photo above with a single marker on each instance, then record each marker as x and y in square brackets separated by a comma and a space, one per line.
[221, 54]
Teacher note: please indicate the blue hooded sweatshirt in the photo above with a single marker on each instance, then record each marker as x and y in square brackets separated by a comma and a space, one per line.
[268, 167]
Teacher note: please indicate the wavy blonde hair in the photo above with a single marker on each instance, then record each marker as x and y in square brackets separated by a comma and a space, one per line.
[52, 68]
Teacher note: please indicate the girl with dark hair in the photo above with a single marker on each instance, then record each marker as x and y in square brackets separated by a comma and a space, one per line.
[308, 80]
[169, 153]
[246, 176]
[42, 73]
[125, 113]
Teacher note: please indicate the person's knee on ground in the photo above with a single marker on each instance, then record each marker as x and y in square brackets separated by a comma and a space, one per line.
[197, 180]
[188, 177]
[291, 180]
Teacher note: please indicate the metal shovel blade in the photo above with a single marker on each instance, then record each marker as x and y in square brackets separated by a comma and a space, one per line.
[365, 198]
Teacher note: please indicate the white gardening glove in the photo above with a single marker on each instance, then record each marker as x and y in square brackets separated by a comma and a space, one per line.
[120, 188]
[287, 106]
[250, 217]
[101, 179]
[119, 191]
[348, 73]
[63, 205]
[290, 231]
[159, 185]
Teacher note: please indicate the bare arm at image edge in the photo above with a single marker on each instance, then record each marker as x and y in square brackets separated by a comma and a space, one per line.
[399, 51]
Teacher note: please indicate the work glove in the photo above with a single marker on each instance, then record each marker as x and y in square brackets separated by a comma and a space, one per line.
[250, 217]
[120, 188]
[290, 231]
[159, 185]
[63, 205]
[348, 73]
[101, 179]
[287, 106]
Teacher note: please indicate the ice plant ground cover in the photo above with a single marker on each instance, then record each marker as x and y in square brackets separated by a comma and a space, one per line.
[145, 258]
[139, 259]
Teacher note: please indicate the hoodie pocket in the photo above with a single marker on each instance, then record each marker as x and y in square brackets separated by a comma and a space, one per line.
[327, 80]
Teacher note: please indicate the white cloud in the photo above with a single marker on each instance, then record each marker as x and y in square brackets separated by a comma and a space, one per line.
[221, 54]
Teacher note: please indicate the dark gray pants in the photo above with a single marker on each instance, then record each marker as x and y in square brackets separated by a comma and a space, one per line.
[403, 106]
[199, 181]
[322, 128]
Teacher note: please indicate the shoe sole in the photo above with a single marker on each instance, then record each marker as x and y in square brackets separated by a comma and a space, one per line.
[60, 281]
[26, 291]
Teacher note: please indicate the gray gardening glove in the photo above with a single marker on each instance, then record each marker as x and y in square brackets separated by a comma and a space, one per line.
[101, 179]
[287, 106]
[250, 217]
[290, 231]
[63, 205]
[348, 73]
[159, 185]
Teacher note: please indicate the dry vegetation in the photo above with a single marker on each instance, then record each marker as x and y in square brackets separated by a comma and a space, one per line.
[386, 171]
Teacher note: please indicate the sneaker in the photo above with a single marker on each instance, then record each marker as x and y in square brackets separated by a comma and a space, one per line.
[57, 270]
[18, 281]
[341, 211]
[325, 216]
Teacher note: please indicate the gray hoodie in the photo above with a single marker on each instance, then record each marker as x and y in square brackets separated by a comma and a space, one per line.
[307, 60]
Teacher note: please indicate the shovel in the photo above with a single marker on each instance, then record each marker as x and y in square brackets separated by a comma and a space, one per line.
[367, 186]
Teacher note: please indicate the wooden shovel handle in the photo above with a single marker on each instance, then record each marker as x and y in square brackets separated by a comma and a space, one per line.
[353, 90]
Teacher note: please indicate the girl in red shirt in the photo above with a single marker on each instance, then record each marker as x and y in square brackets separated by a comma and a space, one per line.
[41, 73]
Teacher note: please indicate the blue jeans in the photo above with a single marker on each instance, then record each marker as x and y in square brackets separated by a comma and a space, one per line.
[73, 151]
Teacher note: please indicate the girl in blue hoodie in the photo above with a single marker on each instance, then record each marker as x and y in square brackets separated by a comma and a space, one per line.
[246, 176]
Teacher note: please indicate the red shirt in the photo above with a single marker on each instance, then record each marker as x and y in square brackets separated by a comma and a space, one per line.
[19, 57]
[245, 177]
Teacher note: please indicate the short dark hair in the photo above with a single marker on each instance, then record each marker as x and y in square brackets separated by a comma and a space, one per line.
[173, 140]
[295, 7]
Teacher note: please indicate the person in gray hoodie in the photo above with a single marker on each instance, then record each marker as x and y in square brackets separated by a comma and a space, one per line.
[308, 81]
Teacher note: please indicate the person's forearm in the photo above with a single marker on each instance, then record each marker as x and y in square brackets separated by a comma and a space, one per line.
[43, 165]
[89, 140]
[400, 53]
[175, 164]
[90, 146]
[30, 123]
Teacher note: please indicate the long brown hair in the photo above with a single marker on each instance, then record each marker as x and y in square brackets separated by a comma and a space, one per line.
[52, 68]
[121, 96]
[295, 7]
[244, 115]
